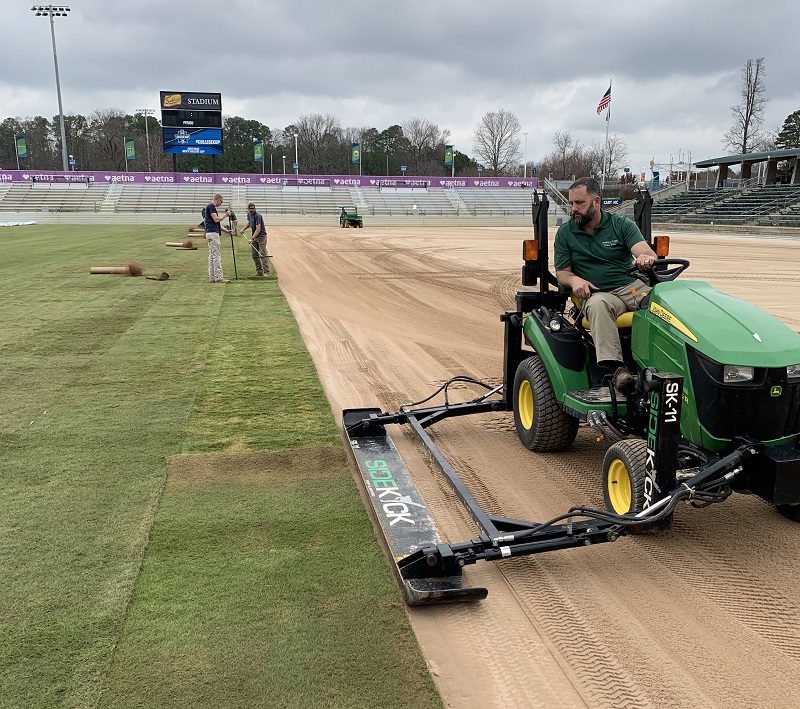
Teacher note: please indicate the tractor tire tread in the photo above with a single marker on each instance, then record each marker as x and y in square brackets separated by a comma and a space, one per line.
[553, 429]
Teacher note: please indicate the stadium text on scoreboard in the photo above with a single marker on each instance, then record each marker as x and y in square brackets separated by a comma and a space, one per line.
[192, 123]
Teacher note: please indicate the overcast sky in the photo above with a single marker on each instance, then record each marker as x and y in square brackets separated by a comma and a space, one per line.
[675, 64]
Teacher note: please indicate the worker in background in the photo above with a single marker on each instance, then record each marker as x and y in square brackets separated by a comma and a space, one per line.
[258, 244]
[593, 253]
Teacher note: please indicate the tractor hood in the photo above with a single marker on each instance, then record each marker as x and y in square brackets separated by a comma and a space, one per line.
[724, 328]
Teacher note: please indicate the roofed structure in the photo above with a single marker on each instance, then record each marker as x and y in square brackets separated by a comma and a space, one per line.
[747, 160]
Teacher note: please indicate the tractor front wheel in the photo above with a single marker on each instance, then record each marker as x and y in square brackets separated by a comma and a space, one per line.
[541, 424]
[624, 476]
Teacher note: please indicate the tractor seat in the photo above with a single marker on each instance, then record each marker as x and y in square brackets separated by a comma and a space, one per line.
[624, 320]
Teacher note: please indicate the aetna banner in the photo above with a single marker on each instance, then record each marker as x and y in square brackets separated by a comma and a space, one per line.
[190, 101]
[265, 180]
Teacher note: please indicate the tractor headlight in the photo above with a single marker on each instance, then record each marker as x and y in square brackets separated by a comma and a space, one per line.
[733, 374]
[793, 372]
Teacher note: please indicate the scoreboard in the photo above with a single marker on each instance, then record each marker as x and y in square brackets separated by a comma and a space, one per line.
[192, 123]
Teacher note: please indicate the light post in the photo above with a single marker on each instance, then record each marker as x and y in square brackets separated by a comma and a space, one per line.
[52, 11]
[525, 164]
[284, 164]
[146, 112]
[296, 161]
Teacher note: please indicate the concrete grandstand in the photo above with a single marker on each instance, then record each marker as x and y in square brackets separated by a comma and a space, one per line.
[106, 199]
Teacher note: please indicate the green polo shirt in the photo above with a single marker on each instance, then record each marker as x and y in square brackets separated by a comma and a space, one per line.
[602, 258]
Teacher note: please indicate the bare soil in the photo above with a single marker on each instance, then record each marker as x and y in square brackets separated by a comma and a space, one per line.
[705, 616]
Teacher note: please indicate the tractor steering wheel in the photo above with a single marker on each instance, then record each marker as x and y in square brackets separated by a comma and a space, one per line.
[653, 276]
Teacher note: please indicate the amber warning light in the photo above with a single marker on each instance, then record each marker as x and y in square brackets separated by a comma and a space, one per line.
[662, 246]
[530, 249]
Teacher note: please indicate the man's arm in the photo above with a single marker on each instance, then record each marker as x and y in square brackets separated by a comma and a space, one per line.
[258, 229]
[217, 217]
[579, 286]
[643, 256]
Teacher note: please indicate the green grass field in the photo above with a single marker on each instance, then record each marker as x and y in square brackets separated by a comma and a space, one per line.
[178, 524]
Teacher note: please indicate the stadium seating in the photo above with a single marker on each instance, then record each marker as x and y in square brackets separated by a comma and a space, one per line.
[765, 206]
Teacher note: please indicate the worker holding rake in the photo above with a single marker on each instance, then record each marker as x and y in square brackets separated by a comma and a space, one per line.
[213, 228]
[258, 244]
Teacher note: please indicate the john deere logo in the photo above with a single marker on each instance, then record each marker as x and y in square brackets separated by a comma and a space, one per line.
[775, 391]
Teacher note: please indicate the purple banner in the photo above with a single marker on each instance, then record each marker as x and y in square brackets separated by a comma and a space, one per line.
[269, 180]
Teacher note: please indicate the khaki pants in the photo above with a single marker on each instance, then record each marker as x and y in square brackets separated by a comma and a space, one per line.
[214, 257]
[603, 309]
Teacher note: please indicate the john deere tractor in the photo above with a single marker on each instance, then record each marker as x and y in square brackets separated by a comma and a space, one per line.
[349, 217]
[714, 375]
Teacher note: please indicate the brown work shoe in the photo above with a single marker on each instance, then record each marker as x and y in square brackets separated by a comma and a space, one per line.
[623, 380]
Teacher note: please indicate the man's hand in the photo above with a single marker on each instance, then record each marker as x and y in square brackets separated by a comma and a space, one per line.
[644, 262]
[582, 288]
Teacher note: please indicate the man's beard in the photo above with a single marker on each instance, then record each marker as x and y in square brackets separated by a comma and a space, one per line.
[583, 219]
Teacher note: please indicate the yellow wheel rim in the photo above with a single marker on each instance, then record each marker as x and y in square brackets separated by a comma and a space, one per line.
[619, 487]
[525, 405]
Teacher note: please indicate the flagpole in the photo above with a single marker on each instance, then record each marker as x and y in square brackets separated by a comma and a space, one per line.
[605, 144]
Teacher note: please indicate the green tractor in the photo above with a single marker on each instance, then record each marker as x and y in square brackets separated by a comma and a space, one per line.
[726, 376]
[349, 217]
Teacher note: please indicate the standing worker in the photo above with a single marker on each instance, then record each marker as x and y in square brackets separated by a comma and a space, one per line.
[214, 228]
[258, 244]
[593, 253]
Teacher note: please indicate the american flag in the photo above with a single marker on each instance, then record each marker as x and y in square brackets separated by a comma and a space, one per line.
[605, 101]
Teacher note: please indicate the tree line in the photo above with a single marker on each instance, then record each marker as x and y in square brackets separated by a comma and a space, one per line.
[96, 142]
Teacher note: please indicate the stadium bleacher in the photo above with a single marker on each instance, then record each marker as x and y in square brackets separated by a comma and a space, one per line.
[759, 206]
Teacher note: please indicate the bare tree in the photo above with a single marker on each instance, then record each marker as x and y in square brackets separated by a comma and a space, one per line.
[566, 160]
[425, 145]
[320, 142]
[496, 141]
[616, 156]
[107, 130]
[744, 135]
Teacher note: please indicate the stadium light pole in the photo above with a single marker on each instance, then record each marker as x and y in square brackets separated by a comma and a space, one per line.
[52, 11]
[284, 164]
[146, 112]
[296, 161]
[525, 164]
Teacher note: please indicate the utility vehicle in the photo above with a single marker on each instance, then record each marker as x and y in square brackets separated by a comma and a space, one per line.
[349, 217]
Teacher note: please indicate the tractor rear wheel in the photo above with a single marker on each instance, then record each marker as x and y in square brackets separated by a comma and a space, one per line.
[624, 476]
[541, 424]
[791, 512]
